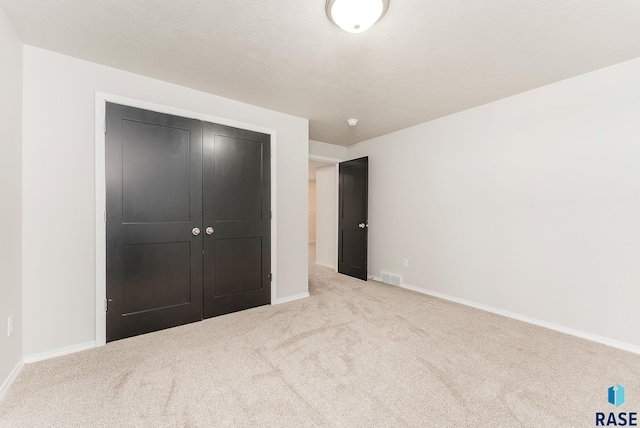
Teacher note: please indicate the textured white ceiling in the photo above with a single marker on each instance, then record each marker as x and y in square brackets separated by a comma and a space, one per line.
[423, 60]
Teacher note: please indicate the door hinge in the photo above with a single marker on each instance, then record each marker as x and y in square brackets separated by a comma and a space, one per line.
[270, 276]
[105, 216]
[106, 305]
[104, 126]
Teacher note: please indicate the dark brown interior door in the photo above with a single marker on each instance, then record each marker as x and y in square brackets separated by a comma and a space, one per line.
[237, 219]
[353, 223]
[154, 208]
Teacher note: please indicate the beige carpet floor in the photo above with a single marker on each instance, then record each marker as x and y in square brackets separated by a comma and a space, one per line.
[354, 354]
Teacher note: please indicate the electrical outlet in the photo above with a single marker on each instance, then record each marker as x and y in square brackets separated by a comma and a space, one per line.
[10, 326]
[405, 262]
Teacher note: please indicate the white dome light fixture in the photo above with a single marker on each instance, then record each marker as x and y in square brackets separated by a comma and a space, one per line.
[356, 16]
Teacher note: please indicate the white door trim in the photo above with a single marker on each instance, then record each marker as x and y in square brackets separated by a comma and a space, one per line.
[101, 191]
[325, 159]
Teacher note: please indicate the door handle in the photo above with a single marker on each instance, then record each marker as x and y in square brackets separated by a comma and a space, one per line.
[195, 231]
[209, 230]
[361, 225]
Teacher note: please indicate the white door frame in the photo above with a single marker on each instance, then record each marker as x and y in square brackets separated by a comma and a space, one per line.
[101, 192]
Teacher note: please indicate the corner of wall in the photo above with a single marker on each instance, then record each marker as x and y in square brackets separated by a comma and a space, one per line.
[11, 69]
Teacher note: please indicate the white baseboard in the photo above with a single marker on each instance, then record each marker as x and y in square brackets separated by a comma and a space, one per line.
[325, 265]
[59, 352]
[292, 298]
[562, 329]
[12, 377]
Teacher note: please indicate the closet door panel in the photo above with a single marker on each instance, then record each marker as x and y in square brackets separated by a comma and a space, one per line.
[237, 208]
[154, 201]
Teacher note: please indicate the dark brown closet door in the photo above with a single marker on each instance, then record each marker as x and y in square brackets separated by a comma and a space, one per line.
[154, 211]
[353, 223]
[237, 212]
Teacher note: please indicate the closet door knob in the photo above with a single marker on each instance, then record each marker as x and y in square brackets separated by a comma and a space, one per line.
[209, 230]
[361, 225]
[195, 231]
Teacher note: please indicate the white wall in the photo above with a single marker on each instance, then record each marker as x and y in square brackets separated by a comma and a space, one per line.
[326, 215]
[530, 204]
[327, 150]
[58, 217]
[11, 198]
[312, 210]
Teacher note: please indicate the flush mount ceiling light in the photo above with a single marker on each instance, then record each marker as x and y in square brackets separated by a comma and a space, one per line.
[356, 16]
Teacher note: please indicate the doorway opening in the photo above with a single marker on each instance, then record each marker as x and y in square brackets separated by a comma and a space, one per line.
[323, 211]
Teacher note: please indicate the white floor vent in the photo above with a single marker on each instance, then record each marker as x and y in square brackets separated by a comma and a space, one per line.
[390, 278]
